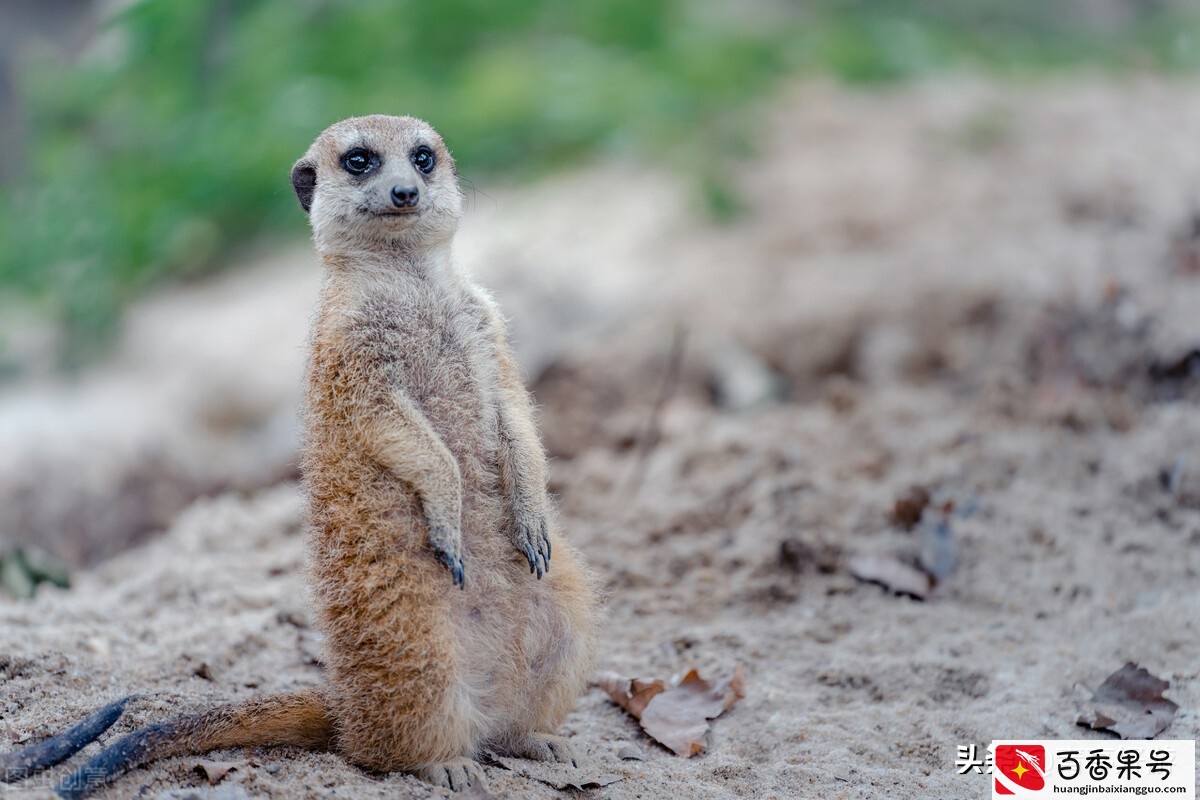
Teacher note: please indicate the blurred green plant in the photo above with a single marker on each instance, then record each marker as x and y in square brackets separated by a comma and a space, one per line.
[169, 140]
[23, 568]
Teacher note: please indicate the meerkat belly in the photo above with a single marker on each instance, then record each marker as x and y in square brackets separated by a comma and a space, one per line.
[444, 371]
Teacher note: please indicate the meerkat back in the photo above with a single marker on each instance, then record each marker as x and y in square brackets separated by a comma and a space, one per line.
[432, 536]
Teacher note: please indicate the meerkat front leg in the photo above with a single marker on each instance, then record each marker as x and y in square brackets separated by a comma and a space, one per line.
[527, 503]
[402, 440]
[522, 464]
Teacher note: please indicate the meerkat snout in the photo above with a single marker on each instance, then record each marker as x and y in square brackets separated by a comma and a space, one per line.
[406, 197]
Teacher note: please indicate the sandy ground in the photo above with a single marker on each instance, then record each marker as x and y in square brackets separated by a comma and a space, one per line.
[984, 291]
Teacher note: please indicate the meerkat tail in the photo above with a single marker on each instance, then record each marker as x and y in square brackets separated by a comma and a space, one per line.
[18, 764]
[300, 719]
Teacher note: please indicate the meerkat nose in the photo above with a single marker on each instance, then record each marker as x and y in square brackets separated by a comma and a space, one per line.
[405, 196]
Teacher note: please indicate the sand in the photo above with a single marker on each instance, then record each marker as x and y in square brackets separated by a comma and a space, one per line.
[984, 290]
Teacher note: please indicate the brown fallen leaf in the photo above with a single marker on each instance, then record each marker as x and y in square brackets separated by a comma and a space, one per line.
[677, 715]
[214, 771]
[890, 573]
[907, 510]
[205, 671]
[1130, 703]
[560, 776]
[593, 782]
[631, 694]
[631, 752]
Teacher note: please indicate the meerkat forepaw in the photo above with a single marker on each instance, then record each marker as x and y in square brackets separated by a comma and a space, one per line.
[447, 547]
[453, 563]
[456, 775]
[532, 538]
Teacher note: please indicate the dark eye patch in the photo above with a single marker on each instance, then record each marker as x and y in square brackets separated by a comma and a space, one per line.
[423, 159]
[359, 161]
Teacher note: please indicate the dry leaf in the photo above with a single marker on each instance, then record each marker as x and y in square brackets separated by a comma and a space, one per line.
[676, 716]
[206, 672]
[560, 776]
[598, 781]
[906, 512]
[679, 716]
[631, 694]
[631, 752]
[216, 770]
[1130, 703]
[890, 573]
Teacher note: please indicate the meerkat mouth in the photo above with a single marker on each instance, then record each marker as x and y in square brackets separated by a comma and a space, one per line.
[405, 212]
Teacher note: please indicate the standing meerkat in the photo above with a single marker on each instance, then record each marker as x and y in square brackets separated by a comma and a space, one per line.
[446, 631]
[425, 472]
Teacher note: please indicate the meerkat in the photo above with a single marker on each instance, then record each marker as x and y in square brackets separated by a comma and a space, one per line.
[447, 633]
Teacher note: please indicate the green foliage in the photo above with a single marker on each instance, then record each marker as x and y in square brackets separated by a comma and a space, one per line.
[23, 568]
[885, 40]
[171, 139]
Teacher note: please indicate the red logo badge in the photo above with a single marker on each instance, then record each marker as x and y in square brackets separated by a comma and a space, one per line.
[1019, 765]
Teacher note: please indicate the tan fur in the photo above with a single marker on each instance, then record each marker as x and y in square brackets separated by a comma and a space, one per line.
[420, 440]
[300, 719]
[422, 463]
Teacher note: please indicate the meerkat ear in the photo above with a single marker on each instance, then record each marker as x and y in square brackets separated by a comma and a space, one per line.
[304, 181]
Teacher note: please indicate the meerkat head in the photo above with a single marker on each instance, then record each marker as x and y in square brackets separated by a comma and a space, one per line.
[378, 181]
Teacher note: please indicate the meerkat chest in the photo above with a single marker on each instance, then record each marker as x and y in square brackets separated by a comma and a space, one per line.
[438, 349]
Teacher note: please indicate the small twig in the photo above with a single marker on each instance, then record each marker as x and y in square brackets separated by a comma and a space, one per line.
[652, 434]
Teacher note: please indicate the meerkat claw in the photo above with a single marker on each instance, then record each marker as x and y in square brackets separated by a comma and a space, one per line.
[530, 556]
[536, 558]
[535, 545]
[454, 564]
[545, 547]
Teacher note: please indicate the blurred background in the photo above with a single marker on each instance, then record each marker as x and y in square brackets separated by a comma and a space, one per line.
[143, 142]
[155, 282]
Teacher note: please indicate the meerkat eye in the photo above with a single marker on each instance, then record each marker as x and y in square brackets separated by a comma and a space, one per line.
[424, 159]
[358, 161]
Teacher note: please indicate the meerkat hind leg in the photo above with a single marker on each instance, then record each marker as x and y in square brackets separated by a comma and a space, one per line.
[456, 774]
[543, 747]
